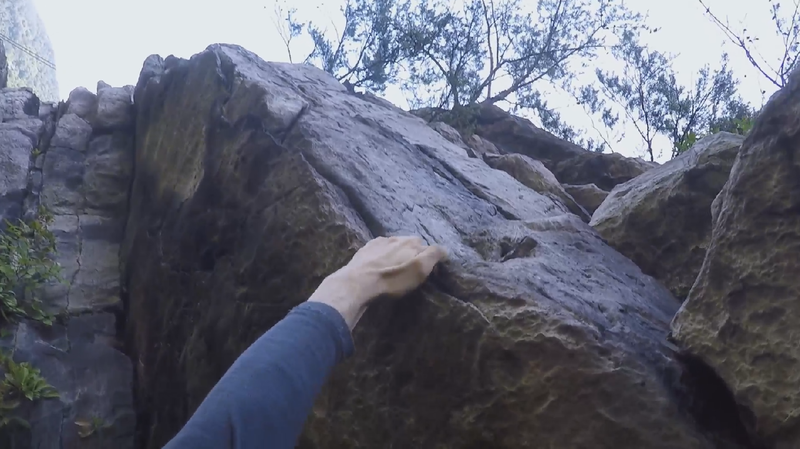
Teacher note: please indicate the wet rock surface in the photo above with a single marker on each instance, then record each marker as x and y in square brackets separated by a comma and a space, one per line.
[255, 180]
[741, 316]
[662, 219]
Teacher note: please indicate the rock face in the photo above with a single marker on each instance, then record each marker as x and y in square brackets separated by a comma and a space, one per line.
[741, 317]
[53, 157]
[587, 195]
[255, 180]
[662, 219]
[20, 22]
[570, 163]
[534, 175]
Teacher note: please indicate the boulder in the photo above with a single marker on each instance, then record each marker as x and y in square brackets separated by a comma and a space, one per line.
[83, 104]
[448, 132]
[662, 219]
[534, 175]
[513, 134]
[570, 163]
[481, 146]
[587, 195]
[17, 145]
[742, 315]
[82, 177]
[475, 145]
[114, 108]
[255, 180]
[605, 170]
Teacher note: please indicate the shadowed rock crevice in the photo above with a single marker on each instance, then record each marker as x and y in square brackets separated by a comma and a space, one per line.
[714, 407]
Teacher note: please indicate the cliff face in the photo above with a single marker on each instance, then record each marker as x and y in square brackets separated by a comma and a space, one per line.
[30, 55]
[193, 211]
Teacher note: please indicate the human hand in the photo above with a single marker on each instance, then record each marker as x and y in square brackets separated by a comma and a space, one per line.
[385, 266]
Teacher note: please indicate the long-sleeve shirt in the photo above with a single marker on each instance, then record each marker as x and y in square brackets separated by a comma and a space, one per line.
[265, 397]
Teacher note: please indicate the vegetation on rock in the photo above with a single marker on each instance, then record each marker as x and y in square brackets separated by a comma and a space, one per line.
[26, 263]
[21, 382]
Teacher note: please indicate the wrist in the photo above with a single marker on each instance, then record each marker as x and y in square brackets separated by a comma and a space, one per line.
[347, 292]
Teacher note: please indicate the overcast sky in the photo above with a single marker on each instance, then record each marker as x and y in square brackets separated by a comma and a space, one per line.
[109, 39]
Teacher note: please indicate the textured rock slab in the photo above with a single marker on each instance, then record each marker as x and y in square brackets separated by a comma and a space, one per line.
[86, 172]
[662, 219]
[18, 103]
[114, 108]
[15, 162]
[742, 316]
[534, 175]
[535, 334]
[587, 195]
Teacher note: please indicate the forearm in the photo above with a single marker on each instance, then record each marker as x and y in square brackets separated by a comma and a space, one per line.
[267, 394]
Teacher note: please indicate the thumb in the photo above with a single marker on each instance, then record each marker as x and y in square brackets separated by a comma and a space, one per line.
[401, 279]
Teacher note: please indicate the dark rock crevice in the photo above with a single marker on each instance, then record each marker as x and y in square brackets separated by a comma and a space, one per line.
[712, 405]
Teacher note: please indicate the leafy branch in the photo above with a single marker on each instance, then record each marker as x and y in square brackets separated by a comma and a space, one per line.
[26, 263]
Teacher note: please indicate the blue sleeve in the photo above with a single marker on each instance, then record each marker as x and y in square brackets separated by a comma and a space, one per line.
[264, 398]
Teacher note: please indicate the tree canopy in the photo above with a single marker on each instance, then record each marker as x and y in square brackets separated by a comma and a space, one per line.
[448, 55]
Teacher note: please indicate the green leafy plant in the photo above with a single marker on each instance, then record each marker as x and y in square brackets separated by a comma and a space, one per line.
[91, 426]
[26, 263]
[28, 381]
[21, 382]
[36, 152]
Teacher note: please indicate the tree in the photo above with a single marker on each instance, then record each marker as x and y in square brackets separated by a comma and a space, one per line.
[486, 51]
[787, 29]
[364, 53]
[288, 28]
[694, 112]
[637, 90]
[647, 94]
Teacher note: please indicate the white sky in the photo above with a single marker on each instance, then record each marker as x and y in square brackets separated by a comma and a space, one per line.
[109, 39]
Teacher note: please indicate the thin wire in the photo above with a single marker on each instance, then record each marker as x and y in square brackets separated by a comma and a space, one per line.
[30, 52]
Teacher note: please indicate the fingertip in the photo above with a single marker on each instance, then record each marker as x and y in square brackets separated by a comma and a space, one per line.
[431, 256]
[442, 252]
